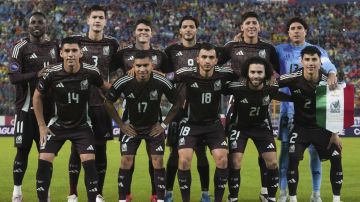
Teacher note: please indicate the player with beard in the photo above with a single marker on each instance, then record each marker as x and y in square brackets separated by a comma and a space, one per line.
[302, 85]
[29, 56]
[69, 83]
[203, 87]
[252, 96]
[98, 50]
[290, 61]
[183, 54]
[250, 45]
[143, 32]
[143, 93]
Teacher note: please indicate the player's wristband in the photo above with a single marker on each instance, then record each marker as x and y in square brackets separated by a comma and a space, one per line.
[163, 125]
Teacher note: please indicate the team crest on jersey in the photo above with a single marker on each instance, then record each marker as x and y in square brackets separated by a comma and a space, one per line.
[52, 54]
[84, 84]
[217, 85]
[154, 59]
[262, 53]
[153, 95]
[106, 50]
[266, 100]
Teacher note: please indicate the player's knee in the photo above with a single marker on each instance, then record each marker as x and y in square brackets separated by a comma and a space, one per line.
[157, 161]
[46, 157]
[184, 163]
[236, 162]
[127, 161]
[221, 161]
[87, 157]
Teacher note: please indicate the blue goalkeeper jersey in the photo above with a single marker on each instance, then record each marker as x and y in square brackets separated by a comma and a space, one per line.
[290, 61]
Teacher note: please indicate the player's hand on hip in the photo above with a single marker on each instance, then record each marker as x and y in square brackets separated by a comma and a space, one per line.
[156, 130]
[128, 129]
[335, 139]
[332, 81]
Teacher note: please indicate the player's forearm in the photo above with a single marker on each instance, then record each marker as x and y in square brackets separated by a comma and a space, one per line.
[109, 106]
[38, 109]
[20, 78]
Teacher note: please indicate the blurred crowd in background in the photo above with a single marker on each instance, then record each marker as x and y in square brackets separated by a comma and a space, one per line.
[335, 27]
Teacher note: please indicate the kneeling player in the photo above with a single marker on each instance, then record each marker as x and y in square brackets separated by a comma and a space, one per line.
[143, 95]
[302, 85]
[252, 98]
[70, 84]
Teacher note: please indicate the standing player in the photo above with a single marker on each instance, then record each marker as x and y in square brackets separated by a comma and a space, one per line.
[302, 84]
[28, 57]
[99, 51]
[238, 51]
[69, 83]
[290, 61]
[143, 94]
[252, 96]
[125, 59]
[180, 55]
[203, 84]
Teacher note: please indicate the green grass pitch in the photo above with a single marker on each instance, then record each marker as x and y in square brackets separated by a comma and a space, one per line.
[250, 180]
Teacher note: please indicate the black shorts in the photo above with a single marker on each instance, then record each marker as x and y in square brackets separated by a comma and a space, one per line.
[262, 137]
[174, 129]
[154, 145]
[101, 124]
[301, 137]
[82, 138]
[212, 135]
[26, 130]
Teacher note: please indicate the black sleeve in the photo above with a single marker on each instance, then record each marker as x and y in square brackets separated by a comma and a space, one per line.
[114, 65]
[164, 67]
[224, 54]
[117, 61]
[274, 59]
[171, 67]
[44, 83]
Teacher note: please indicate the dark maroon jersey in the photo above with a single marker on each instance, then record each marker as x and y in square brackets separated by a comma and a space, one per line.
[100, 54]
[303, 95]
[142, 99]
[203, 95]
[26, 60]
[238, 52]
[125, 59]
[71, 93]
[252, 105]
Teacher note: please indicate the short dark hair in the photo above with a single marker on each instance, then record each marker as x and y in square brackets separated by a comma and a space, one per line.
[296, 19]
[142, 54]
[257, 60]
[70, 40]
[143, 21]
[310, 50]
[188, 17]
[96, 8]
[208, 46]
[38, 13]
[250, 14]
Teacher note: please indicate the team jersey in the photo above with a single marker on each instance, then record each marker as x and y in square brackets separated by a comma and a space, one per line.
[290, 61]
[252, 105]
[71, 93]
[303, 95]
[203, 95]
[100, 54]
[125, 59]
[238, 52]
[26, 60]
[142, 99]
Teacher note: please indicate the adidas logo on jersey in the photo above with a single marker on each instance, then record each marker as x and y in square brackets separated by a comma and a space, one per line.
[271, 146]
[194, 85]
[84, 49]
[33, 56]
[224, 143]
[60, 85]
[179, 54]
[131, 96]
[244, 101]
[159, 149]
[90, 148]
[240, 53]
[335, 153]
